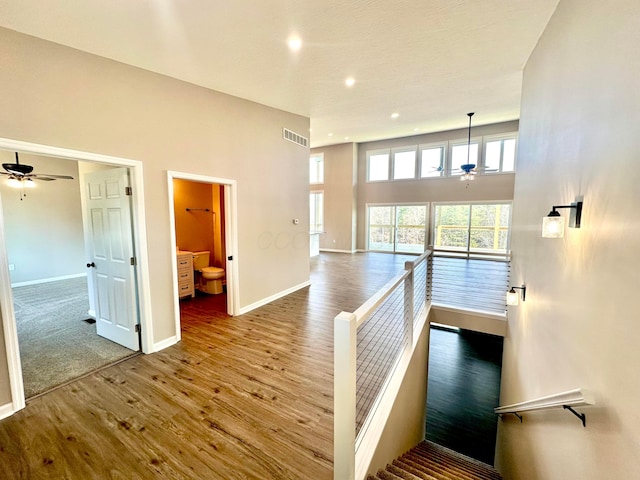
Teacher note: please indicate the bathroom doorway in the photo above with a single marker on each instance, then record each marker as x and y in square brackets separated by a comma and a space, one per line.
[202, 211]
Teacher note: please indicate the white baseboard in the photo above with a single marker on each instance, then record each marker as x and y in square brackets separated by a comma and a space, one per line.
[47, 280]
[333, 250]
[167, 342]
[276, 296]
[6, 410]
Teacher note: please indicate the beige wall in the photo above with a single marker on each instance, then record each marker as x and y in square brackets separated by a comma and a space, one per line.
[43, 230]
[340, 188]
[58, 96]
[579, 326]
[484, 187]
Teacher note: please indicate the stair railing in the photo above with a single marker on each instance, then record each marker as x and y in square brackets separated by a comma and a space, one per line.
[566, 400]
[372, 349]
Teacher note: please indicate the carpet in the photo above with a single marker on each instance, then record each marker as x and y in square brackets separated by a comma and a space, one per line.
[56, 344]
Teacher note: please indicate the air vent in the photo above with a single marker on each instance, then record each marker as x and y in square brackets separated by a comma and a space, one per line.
[295, 138]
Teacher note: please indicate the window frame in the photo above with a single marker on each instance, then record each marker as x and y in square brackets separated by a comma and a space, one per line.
[468, 251]
[394, 225]
[311, 226]
[464, 142]
[371, 153]
[500, 137]
[392, 162]
[444, 147]
[320, 163]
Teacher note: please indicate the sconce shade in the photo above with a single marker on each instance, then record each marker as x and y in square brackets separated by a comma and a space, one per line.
[513, 298]
[553, 225]
[14, 182]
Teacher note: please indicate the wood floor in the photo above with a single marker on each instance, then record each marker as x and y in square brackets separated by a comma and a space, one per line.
[242, 397]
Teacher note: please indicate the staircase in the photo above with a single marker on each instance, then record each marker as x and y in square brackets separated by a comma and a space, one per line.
[430, 461]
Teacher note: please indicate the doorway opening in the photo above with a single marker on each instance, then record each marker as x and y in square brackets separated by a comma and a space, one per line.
[202, 211]
[52, 282]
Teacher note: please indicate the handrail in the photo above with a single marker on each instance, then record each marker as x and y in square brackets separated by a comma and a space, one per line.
[566, 400]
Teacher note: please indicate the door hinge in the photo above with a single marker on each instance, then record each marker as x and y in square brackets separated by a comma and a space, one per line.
[133, 261]
[137, 328]
[128, 191]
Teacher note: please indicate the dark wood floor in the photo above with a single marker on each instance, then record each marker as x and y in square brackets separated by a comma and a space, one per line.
[239, 397]
[464, 388]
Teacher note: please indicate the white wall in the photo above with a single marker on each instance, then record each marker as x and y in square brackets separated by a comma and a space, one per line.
[43, 230]
[58, 96]
[579, 327]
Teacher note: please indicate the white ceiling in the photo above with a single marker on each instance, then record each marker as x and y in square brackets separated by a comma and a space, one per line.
[431, 61]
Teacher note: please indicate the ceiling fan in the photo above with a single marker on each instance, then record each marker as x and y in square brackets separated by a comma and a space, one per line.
[468, 170]
[20, 174]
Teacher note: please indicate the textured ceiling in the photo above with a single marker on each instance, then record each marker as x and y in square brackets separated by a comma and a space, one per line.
[431, 61]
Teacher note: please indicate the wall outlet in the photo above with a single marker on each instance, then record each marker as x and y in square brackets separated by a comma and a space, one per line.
[12, 266]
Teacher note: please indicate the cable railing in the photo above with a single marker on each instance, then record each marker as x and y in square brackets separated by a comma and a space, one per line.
[371, 352]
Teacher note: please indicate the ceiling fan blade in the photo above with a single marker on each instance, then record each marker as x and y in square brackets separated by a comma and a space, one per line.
[39, 177]
[51, 177]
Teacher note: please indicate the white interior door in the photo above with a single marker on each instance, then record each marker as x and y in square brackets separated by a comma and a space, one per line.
[112, 263]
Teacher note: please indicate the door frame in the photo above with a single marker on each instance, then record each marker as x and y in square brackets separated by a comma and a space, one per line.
[231, 238]
[140, 245]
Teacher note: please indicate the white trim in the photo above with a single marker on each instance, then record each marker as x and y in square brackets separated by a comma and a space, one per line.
[471, 312]
[47, 280]
[231, 240]
[6, 410]
[334, 250]
[140, 244]
[167, 342]
[10, 329]
[273, 297]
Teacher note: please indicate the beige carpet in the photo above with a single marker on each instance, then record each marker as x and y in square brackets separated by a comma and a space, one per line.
[56, 344]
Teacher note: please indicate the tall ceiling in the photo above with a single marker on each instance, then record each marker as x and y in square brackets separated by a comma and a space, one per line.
[429, 61]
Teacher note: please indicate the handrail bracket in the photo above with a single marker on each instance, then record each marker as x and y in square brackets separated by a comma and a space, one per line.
[581, 416]
[514, 413]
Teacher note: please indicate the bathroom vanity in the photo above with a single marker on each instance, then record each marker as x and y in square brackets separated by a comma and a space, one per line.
[185, 274]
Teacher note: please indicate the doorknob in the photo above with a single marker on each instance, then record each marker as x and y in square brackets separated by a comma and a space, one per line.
[90, 265]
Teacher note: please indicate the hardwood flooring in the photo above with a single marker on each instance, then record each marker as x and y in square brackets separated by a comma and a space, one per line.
[464, 388]
[242, 397]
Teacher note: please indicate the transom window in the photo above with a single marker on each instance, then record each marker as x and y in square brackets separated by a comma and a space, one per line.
[404, 163]
[316, 168]
[432, 161]
[500, 155]
[459, 156]
[377, 166]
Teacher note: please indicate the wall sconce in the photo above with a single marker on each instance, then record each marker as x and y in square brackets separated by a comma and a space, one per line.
[513, 298]
[553, 224]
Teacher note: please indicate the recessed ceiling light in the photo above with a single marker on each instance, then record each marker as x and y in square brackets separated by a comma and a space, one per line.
[350, 82]
[395, 115]
[346, 138]
[331, 134]
[416, 129]
[295, 43]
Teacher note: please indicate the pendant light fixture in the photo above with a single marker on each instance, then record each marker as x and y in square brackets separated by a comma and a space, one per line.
[467, 168]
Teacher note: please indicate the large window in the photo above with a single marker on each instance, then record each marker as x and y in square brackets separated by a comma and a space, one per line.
[500, 154]
[316, 211]
[473, 228]
[397, 228]
[316, 168]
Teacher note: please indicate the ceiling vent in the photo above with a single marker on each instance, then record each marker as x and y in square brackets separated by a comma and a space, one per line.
[295, 138]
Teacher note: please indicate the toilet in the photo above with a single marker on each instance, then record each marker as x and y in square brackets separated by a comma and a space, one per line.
[208, 279]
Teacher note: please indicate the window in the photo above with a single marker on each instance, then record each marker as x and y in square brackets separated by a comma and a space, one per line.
[472, 228]
[432, 161]
[377, 166]
[460, 157]
[316, 168]
[316, 211]
[500, 154]
[404, 163]
[397, 228]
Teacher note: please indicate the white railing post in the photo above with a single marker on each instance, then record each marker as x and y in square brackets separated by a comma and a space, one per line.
[408, 304]
[344, 397]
